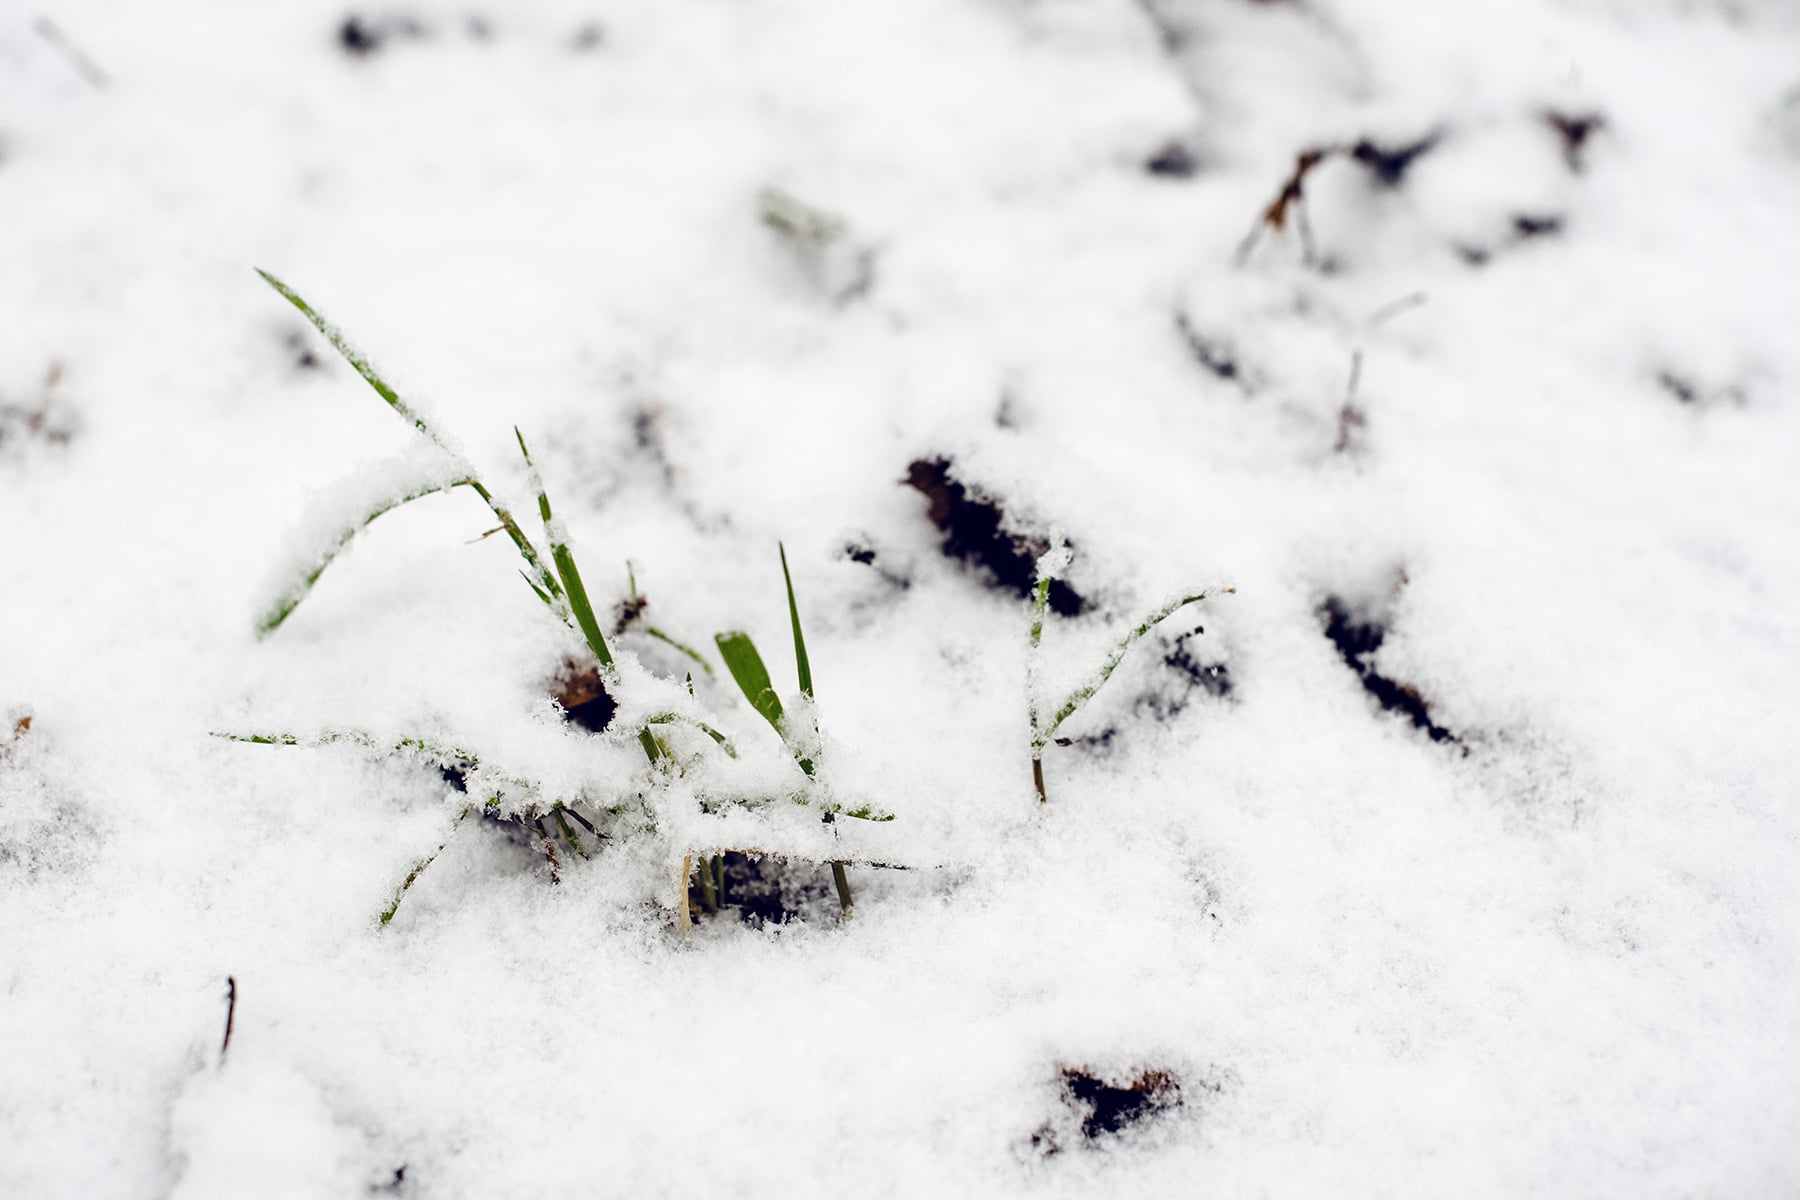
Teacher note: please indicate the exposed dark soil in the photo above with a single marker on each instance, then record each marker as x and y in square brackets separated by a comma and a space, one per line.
[1389, 164]
[1099, 1110]
[1574, 130]
[585, 700]
[1173, 161]
[976, 533]
[1357, 640]
[1536, 225]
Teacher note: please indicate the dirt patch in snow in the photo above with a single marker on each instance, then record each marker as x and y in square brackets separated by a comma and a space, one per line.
[976, 532]
[1097, 1108]
[1357, 639]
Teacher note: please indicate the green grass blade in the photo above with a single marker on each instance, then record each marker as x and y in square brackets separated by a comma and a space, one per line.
[529, 552]
[1040, 608]
[568, 832]
[572, 588]
[356, 360]
[653, 748]
[290, 598]
[746, 666]
[418, 870]
[546, 579]
[668, 718]
[686, 649]
[806, 682]
[579, 604]
[1114, 656]
[541, 593]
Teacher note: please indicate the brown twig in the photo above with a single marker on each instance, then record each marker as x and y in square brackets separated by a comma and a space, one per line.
[1290, 199]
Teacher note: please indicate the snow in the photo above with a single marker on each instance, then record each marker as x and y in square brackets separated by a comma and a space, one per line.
[1553, 953]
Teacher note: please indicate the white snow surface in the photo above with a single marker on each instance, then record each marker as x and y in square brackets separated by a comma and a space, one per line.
[1555, 952]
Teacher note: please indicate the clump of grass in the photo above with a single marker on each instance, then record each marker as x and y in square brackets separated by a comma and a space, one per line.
[555, 579]
[1046, 719]
[800, 730]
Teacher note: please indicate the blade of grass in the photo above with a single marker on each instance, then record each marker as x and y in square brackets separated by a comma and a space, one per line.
[356, 360]
[800, 659]
[686, 649]
[1114, 656]
[746, 666]
[419, 869]
[527, 551]
[568, 833]
[290, 599]
[842, 880]
[1040, 608]
[865, 813]
[653, 748]
[564, 558]
[678, 719]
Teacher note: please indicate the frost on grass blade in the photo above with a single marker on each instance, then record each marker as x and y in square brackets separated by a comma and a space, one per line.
[338, 343]
[1044, 730]
[1114, 657]
[421, 470]
[545, 585]
[564, 559]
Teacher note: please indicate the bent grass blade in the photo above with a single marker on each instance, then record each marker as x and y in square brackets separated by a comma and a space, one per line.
[546, 581]
[291, 597]
[746, 666]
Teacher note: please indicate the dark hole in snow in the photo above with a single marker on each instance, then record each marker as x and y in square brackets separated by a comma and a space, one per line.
[584, 698]
[1106, 1109]
[1389, 164]
[1574, 129]
[974, 529]
[1475, 256]
[457, 776]
[1357, 641]
[856, 552]
[1530, 225]
[1173, 161]
[1207, 353]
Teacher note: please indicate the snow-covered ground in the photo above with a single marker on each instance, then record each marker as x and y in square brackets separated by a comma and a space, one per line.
[1459, 854]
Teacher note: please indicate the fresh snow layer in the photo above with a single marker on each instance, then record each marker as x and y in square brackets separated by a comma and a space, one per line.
[731, 268]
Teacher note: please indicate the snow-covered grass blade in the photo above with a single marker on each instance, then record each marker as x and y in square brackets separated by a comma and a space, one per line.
[1044, 727]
